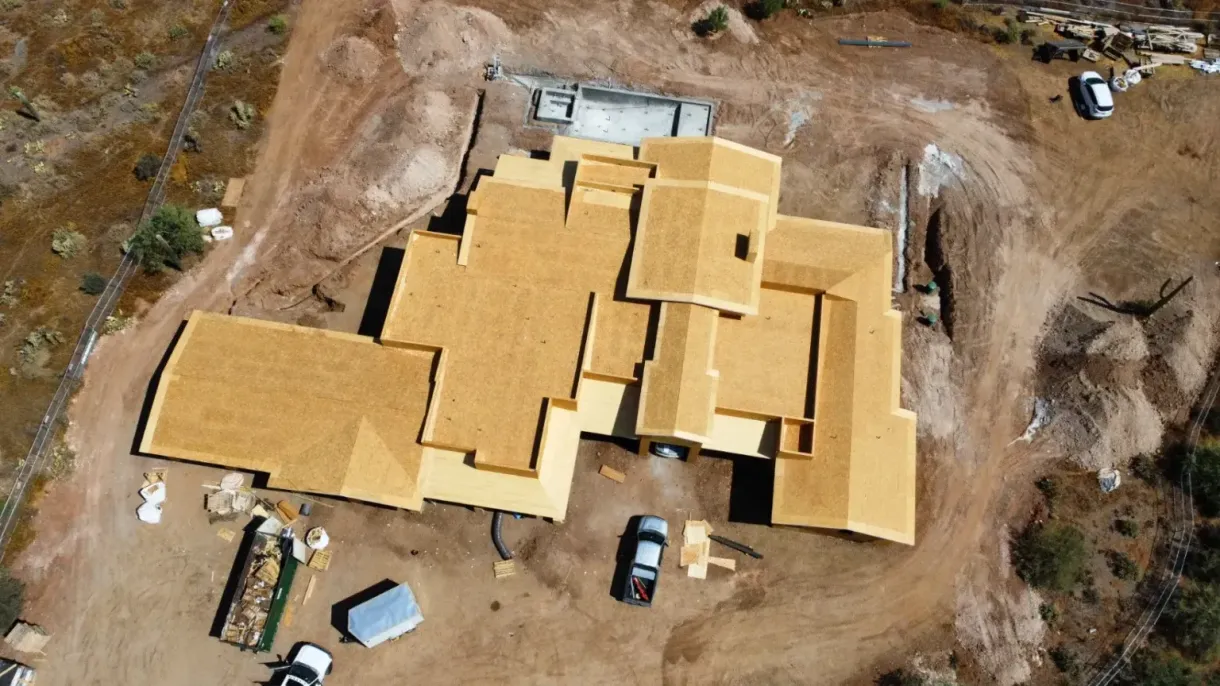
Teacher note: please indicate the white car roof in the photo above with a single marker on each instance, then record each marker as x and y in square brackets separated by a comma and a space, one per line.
[314, 657]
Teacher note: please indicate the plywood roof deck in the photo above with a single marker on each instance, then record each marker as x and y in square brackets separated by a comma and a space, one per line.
[309, 407]
[534, 325]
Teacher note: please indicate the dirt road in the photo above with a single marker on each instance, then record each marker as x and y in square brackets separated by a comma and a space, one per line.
[1042, 207]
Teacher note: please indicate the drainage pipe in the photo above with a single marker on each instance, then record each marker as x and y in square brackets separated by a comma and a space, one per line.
[875, 43]
[497, 538]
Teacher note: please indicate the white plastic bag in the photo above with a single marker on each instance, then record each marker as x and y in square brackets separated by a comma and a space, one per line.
[149, 512]
[209, 217]
[154, 493]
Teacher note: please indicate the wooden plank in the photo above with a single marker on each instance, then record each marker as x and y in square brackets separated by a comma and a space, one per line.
[689, 555]
[612, 473]
[287, 511]
[313, 581]
[503, 568]
[227, 535]
[724, 562]
[233, 192]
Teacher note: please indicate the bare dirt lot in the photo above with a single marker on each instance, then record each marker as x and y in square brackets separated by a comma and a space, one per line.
[1020, 207]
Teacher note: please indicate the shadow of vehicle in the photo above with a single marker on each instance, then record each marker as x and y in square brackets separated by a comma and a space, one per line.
[623, 557]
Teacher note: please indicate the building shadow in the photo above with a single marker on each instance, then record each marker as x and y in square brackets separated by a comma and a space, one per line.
[752, 490]
[623, 556]
[235, 574]
[338, 611]
[453, 219]
[150, 392]
[381, 292]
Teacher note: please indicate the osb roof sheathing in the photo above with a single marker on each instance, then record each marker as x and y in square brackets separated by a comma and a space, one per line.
[764, 360]
[719, 161]
[311, 408]
[690, 245]
[678, 393]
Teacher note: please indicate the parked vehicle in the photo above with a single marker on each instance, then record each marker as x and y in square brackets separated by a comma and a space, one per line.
[384, 617]
[651, 537]
[308, 667]
[1096, 101]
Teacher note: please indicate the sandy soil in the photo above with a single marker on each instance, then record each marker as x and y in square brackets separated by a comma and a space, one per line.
[1039, 206]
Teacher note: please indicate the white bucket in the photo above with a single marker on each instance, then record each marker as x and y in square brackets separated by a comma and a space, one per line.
[317, 538]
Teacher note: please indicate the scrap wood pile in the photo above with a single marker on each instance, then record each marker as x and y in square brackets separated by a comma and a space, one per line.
[249, 615]
[697, 548]
[1138, 44]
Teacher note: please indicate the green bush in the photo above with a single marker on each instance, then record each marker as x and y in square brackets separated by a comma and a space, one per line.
[146, 60]
[93, 283]
[1051, 556]
[1009, 33]
[1048, 613]
[12, 597]
[1127, 527]
[1156, 669]
[169, 236]
[1204, 562]
[716, 21]
[1122, 566]
[764, 9]
[940, 4]
[1049, 488]
[1206, 477]
[241, 114]
[278, 24]
[147, 167]
[1065, 660]
[900, 677]
[1195, 621]
[178, 31]
[1145, 468]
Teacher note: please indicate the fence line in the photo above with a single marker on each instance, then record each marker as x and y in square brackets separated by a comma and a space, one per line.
[1119, 11]
[1179, 542]
[108, 299]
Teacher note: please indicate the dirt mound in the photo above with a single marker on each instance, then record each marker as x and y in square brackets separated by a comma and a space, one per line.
[739, 28]
[403, 164]
[353, 59]
[1116, 381]
[436, 37]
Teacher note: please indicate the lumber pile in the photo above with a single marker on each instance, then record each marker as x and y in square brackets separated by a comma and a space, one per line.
[1118, 41]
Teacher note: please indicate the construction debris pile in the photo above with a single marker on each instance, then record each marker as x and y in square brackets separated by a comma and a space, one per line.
[153, 493]
[1140, 45]
[248, 616]
[696, 550]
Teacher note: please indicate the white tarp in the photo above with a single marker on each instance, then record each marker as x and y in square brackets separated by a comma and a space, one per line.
[387, 616]
[209, 217]
[1109, 479]
[222, 233]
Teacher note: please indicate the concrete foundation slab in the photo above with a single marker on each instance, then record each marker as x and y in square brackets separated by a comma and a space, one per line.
[620, 116]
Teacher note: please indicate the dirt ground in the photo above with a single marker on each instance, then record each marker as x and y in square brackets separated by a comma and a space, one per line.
[1020, 207]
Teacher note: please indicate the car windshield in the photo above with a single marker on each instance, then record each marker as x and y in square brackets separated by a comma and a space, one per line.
[300, 674]
[1093, 81]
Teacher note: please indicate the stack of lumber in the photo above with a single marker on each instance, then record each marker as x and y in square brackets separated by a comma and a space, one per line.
[1168, 39]
[1118, 41]
[697, 548]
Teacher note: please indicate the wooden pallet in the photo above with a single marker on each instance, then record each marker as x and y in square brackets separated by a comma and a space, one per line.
[320, 560]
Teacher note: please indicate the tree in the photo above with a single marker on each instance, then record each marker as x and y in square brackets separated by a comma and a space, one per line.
[1195, 621]
[1156, 669]
[1204, 562]
[12, 597]
[764, 9]
[1127, 527]
[900, 677]
[716, 21]
[1206, 477]
[1051, 556]
[1122, 566]
[93, 283]
[169, 236]
[147, 167]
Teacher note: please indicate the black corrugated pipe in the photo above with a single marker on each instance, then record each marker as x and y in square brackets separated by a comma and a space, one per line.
[875, 43]
[497, 538]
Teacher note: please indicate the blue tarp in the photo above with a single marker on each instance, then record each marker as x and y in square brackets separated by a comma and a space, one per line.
[387, 616]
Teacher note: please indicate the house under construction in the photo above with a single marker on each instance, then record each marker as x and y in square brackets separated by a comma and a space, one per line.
[652, 294]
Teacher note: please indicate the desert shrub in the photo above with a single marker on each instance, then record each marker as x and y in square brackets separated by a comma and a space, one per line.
[1027, 35]
[1127, 527]
[764, 9]
[1049, 488]
[241, 114]
[67, 242]
[93, 283]
[178, 31]
[147, 167]
[1145, 468]
[1150, 668]
[115, 323]
[63, 461]
[39, 339]
[716, 21]
[224, 59]
[169, 236]
[901, 677]
[1009, 33]
[1204, 562]
[940, 4]
[1048, 613]
[145, 60]
[10, 294]
[1051, 556]
[12, 597]
[1090, 595]
[278, 24]
[1065, 660]
[1194, 623]
[1206, 477]
[119, 4]
[1122, 566]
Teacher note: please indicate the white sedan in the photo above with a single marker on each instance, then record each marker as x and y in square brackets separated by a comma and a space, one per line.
[1095, 98]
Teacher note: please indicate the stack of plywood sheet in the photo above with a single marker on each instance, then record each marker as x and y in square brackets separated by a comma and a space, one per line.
[696, 548]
